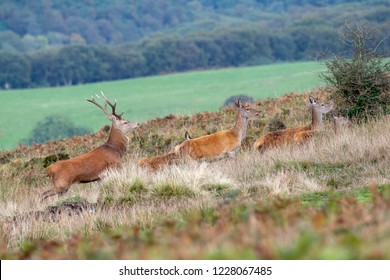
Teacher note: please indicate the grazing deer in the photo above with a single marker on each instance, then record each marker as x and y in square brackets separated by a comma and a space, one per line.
[157, 162]
[296, 134]
[221, 143]
[88, 167]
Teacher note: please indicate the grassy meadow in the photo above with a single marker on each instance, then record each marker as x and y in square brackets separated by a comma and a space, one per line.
[146, 98]
[326, 199]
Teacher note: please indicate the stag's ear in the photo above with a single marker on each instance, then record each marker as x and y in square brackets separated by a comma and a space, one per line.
[187, 136]
[238, 103]
[112, 118]
[312, 100]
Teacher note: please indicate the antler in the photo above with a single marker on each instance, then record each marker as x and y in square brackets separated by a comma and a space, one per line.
[106, 101]
[113, 106]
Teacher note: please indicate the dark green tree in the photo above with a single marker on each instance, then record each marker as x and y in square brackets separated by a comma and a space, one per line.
[76, 65]
[52, 128]
[43, 72]
[125, 62]
[232, 99]
[14, 70]
[10, 41]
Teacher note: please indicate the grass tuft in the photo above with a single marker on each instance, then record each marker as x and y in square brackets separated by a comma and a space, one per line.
[166, 191]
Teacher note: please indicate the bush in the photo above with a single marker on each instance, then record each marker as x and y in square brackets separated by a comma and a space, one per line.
[232, 99]
[276, 123]
[54, 127]
[361, 87]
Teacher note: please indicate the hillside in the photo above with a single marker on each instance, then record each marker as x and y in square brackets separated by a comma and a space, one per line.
[327, 199]
[30, 25]
[146, 98]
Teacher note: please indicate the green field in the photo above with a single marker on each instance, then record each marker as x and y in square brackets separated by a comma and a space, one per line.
[146, 98]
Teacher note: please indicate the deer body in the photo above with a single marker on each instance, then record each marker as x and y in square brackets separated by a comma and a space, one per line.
[210, 146]
[221, 143]
[157, 162]
[296, 134]
[88, 167]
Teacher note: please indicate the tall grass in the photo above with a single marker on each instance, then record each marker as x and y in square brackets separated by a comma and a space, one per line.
[135, 198]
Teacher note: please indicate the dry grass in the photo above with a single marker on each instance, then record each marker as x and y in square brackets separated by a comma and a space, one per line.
[134, 198]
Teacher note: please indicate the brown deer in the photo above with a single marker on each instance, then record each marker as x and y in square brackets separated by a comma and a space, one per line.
[157, 162]
[221, 143]
[88, 167]
[296, 134]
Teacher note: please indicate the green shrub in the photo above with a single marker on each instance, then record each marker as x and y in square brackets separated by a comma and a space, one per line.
[53, 158]
[361, 87]
[232, 99]
[173, 191]
[276, 123]
[54, 127]
[217, 189]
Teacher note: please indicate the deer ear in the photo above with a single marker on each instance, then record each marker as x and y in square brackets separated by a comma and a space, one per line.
[187, 136]
[238, 103]
[112, 118]
[312, 100]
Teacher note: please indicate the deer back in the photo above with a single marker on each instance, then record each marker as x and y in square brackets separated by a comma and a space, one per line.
[280, 137]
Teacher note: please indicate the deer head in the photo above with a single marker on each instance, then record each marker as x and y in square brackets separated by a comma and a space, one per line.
[245, 111]
[123, 125]
[321, 108]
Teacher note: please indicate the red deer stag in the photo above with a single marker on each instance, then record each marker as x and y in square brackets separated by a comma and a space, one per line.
[221, 143]
[88, 167]
[296, 134]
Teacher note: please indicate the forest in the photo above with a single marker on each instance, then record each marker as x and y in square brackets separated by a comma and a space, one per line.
[56, 43]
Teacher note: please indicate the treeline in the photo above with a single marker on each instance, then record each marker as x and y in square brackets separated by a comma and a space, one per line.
[27, 25]
[55, 43]
[80, 64]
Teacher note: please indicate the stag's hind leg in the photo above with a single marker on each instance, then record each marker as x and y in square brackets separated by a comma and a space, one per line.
[60, 188]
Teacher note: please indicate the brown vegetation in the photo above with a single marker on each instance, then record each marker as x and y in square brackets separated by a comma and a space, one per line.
[275, 228]
[245, 207]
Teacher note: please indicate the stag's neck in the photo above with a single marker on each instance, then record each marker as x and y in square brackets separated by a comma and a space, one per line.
[316, 120]
[241, 127]
[117, 141]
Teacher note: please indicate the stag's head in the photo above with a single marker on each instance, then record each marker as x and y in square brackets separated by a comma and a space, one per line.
[321, 108]
[123, 125]
[246, 111]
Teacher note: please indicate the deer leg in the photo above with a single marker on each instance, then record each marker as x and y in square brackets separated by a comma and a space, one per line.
[60, 188]
[47, 194]
[233, 153]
